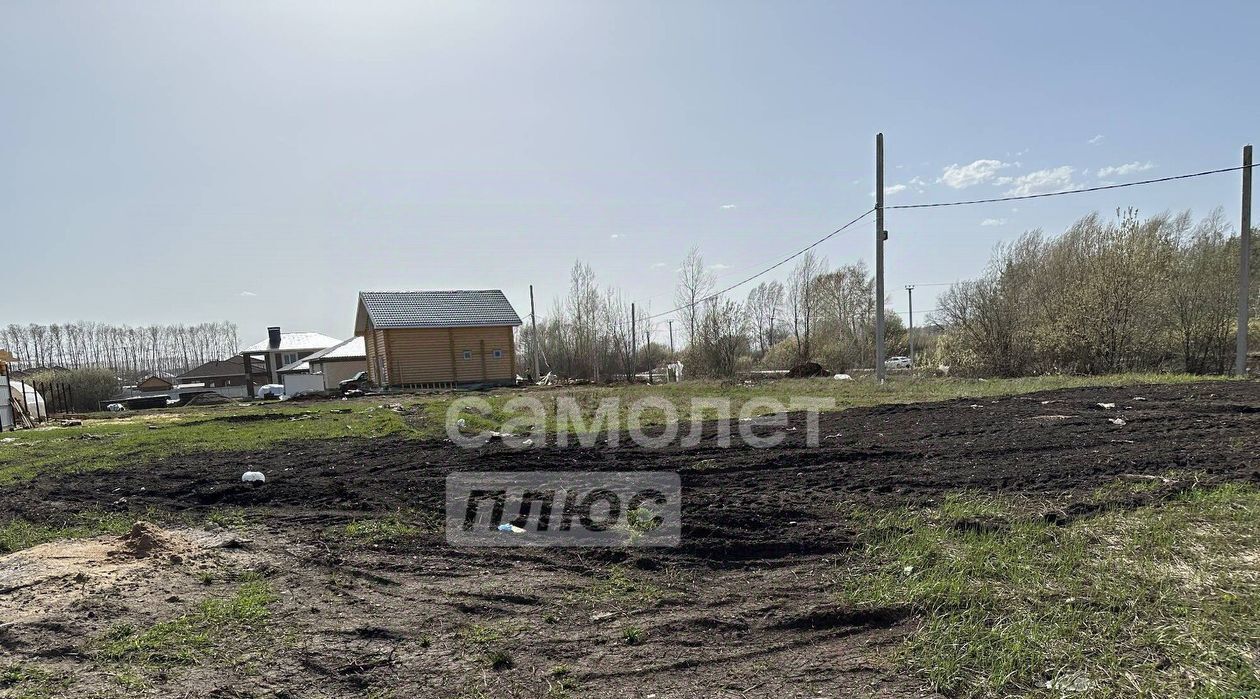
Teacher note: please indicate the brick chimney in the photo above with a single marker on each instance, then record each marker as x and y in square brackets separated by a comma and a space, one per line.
[273, 336]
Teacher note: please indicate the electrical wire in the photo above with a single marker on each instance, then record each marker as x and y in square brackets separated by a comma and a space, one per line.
[1098, 188]
[772, 267]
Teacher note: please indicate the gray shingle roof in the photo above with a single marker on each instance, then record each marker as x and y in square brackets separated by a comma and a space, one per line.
[437, 309]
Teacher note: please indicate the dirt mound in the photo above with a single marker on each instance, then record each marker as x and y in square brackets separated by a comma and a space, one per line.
[807, 370]
[209, 398]
[146, 539]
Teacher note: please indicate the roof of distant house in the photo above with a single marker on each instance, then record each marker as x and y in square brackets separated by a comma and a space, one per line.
[297, 367]
[434, 309]
[295, 341]
[233, 366]
[354, 348]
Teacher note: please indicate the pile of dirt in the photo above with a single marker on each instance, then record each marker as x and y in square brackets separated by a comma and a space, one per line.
[807, 370]
[209, 398]
[146, 539]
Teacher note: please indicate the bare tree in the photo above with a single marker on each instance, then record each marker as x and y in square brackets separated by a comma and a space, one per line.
[695, 283]
[802, 301]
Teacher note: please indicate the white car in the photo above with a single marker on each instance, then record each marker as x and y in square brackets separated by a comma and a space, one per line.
[897, 363]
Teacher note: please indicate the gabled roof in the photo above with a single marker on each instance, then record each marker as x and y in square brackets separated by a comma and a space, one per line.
[234, 366]
[354, 348]
[434, 309]
[290, 342]
[297, 367]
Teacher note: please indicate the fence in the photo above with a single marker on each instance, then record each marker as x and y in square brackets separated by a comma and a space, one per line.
[40, 401]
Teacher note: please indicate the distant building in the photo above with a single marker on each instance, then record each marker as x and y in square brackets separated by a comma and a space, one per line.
[325, 369]
[280, 349]
[154, 383]
[221, 373]
[425, 339]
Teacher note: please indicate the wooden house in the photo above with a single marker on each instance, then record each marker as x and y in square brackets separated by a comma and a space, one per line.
[431, 339]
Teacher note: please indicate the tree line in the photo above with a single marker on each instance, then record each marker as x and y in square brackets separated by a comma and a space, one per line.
[1155, 293]
[128, 351]
[820, 313]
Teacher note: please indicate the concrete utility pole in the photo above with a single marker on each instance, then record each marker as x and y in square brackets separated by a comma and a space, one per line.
[880, 236]
[533, 324]
[910, 333]
[671, 340]
[634, 346]
[1244, 268]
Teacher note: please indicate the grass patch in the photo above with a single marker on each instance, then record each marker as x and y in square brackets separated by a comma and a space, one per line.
[27, 681]
[17, 534]
[117, 441]
[1159, 601]
[397, 528]
[621, 588]
[184, 640]
[111, 443]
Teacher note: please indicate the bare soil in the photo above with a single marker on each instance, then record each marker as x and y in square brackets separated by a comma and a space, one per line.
[742, 608]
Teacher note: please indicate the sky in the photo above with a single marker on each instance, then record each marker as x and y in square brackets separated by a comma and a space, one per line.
[261, 162]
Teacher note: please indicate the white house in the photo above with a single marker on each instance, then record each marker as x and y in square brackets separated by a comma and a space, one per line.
[325, 369]
[281, 349]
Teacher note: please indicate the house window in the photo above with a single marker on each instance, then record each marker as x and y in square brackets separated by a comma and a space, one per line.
[467, 354]
[498, 354]
[288, 358]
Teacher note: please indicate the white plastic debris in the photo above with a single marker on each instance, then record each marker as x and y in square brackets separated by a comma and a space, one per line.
[461, 423]
[253, 476]
[510, 528]
[1118, 422]
[1074, 682]
[527, 443]
[842, 377]
[1106, 406]
[115, 407]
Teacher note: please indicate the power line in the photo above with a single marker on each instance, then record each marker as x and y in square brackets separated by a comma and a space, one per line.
[1099, 188]
[772, 267]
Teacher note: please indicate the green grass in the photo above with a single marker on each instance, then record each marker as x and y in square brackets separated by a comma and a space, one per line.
[203, 632]
[620, 587]
[114, 442]
[17, 534]
[397, 528]
[1163, 600]
[28, 681]
[846, 394]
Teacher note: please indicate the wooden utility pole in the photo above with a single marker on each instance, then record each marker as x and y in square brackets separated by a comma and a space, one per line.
[533, 325]
[671, 340]
[910, 332]
[1244, 268]
[634, 346]
[880, 235]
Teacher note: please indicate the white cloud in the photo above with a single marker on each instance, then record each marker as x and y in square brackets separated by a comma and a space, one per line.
[248, 293]
[993, 222]
[1096, 140]
[895, 189]
[658, 265]
[978, 172]
[1126, 169]
[728, 206]
[614, 236]
[1055, 179]
[718, 267]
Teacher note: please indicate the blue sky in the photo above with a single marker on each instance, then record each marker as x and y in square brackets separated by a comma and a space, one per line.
[261, 162]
